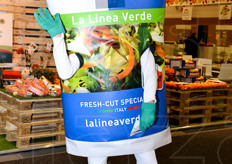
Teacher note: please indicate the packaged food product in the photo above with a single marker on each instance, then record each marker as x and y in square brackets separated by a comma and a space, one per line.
[40, 85]
[11, 88]
[24, 93]
[36, 91]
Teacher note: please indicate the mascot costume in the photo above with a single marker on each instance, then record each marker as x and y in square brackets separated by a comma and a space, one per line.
[108, 54]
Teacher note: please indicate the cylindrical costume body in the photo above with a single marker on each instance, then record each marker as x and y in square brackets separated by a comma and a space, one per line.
[119, 47]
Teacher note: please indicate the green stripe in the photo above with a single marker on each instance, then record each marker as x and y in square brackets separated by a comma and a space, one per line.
[113, 17]
[7, 48]
[105, 111]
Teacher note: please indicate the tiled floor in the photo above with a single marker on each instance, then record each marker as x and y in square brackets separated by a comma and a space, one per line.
[193, 147]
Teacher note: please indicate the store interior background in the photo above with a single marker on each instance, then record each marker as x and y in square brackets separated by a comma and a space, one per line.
[217, 32]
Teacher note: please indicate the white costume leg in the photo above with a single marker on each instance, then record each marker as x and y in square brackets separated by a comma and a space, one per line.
[146, 158]
[97, 160]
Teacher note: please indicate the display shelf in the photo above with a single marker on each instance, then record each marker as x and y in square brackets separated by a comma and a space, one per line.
[185, 70]
[28, 104]
[57, 137]
[33, 118]
[3, 112]
[204, 105]
[29, 115]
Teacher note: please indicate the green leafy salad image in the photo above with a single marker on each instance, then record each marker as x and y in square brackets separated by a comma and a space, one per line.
[111, 55]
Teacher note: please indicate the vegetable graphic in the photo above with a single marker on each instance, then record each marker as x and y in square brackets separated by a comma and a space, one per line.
[112, 55]
[93, 64]
[101, 30]
[144, 35]
[130, 66]
[160, 51]
[74, 38]
[82, 90]
[106, 41]
[157, 32]
[115, 62]
[225, 10]
[65, 88]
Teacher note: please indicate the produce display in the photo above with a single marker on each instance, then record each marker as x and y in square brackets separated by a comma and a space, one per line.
[184, 75]
[181, 70]
[197, 85]
[180, 63]
[36, 87]
[194, 2]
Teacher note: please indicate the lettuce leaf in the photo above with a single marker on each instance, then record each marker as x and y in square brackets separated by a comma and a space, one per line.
[144, 36]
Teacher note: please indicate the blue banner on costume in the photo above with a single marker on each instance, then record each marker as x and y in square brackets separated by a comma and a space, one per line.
[108, 116]
[135, 4]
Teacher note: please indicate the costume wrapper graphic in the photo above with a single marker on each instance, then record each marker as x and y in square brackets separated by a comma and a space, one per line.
[102, 100]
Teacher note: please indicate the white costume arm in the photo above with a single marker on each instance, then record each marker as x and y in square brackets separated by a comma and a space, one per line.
[149, 76]
[66, 65]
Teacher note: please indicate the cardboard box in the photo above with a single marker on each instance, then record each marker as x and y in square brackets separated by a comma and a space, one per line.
[180, 64]
[190, 73]
[188, 65]
[193, 79]
[175, 63]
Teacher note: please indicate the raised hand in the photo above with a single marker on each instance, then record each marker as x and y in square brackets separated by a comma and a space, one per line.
[47, 22]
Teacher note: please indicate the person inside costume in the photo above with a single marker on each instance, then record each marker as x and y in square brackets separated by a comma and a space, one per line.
[68, 64]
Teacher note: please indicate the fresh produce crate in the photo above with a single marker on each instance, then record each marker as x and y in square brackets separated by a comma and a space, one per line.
[26, 121]
[2, 129]
[28, 129]
[48, 138]
[2, 124]
[186, 94]
[43, 138]
[35, 114]
[222, 92]
[223, 111]
[186, 117]
[3, 112]
[205, 106]
[28, 104]
[34, 119]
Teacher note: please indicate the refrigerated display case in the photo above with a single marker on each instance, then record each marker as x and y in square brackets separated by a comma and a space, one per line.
[223, 44]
